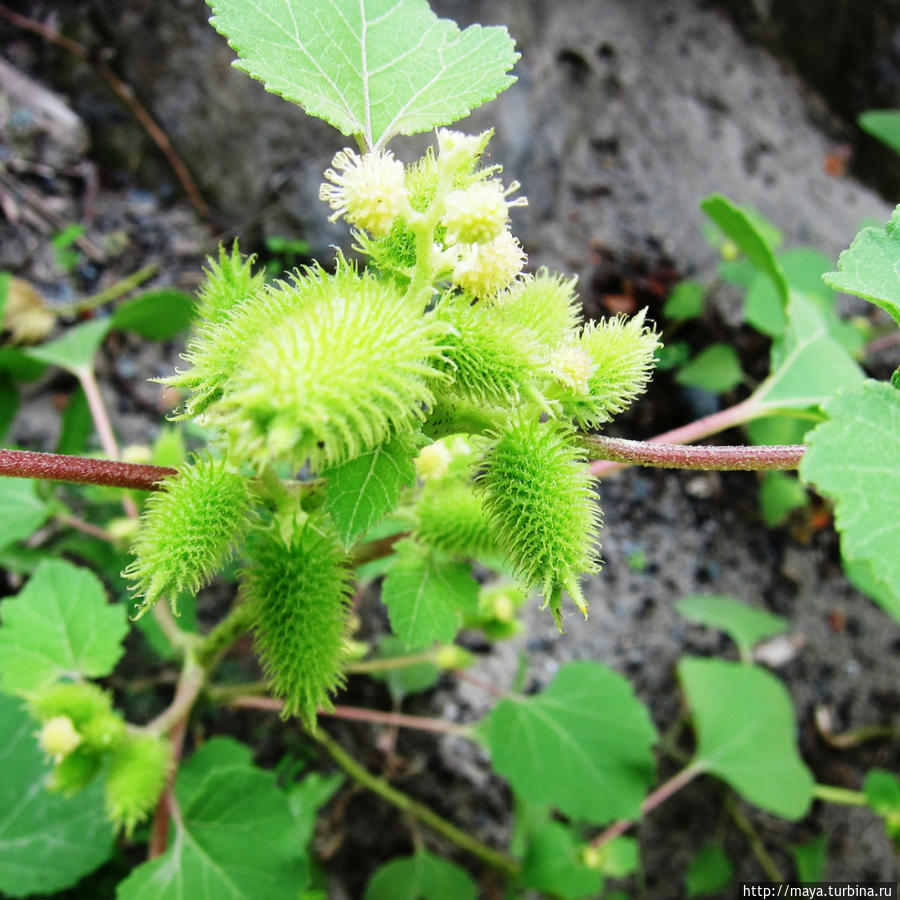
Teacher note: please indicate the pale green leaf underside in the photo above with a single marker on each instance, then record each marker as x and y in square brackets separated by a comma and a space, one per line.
[583, 745]
[59, 625]
[235, 840]
[361, 492]
[374, 68]
[47, 841]
[426, 597]
[21, 510]
[75, 350]
[854, 459]
[746, 734]
[870, 267]
[808, 364]
[745, 625]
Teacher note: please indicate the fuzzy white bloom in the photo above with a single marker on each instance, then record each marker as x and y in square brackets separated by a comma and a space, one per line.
[478, 213]
[433, 461]
[572, 367]
[58, 737]
[369, 190]
[457, 149]
[485, 269]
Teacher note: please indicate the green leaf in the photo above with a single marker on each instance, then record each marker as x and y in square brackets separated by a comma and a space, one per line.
[404, 680]
[709, 872]
[214, 754]
[9, 403]
[236, 839]
[686, 301]
[716, 369]
[373, 68]
[756, 242]
[364, 490]
[75, 350]
[808, 363]
[59, 625]
[306, 798]
[883, 124]
[870, 267]
[21, 510]
[746, 734]
[779, 429]
[48, 841]
[77, 425]
[745, 625]
[882, 792]
[553, 864]
[426, 596]
[422, 876]
[779, 495]
[810, 858]
[157, 315]
[853, 460]
[582, 745]
[20, 365]
[859, 574]
[619, 857]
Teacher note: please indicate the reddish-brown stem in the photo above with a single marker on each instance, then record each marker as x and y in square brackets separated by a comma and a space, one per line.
[356, 714]
[693, 431]
[167, 807]
[659, 796]
[125, 94]
[82, 470]
[678, 456]
[480, 683]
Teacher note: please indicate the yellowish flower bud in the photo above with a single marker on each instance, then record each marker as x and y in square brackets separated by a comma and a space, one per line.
[457, 149]
[573, 368]
[479, 213]
[58, 737]
[433, 461]
[369, 190]
[485, 269]
[452, 657]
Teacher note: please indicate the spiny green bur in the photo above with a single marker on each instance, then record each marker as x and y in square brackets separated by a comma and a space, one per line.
[135, 779]
[188, 530]
[539, 495]
[451, 518]
[299, 596]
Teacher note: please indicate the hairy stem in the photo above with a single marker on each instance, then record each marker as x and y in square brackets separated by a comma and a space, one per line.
[423, 814]
[651, 801]
[82, 470]
[694, 431]
[677, 456]
[831, 794]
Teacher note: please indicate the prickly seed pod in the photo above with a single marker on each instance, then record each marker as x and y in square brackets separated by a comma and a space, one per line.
[135, 780]
[451, 519]
[75, 770]
[299, 601]
[227, 281]
[544, 303]
[539, 496]
[335, 377]
[81, 702]
[621, 351]
[489, 361]
[188, 531]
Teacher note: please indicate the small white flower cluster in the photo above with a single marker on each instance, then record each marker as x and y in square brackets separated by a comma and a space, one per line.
[573, 368]
[479, 250]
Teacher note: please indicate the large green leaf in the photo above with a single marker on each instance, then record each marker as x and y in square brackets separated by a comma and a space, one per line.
[422, 876]
[426, 596]
[742, 623]
[21, 510]
[854, 459]
[157, 315]
[373, 68]
[75, 350]
[870, 267]
[716, 369]
[59, 625]
[364, 490]
[746, 733]
[236, 839]
[744, 229]
[808, 363]
[582, 745]
[47, 841]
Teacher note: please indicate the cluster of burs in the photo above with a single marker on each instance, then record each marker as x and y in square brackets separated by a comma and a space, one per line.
[440, 352]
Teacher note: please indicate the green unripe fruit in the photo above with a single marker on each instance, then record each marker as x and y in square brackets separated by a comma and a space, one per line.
[299, 601]
[451, 518]
[538, 493]
[75, 770]
[188, 530]
[79, 701]
[135, 780]
[545, 304]
[227, 281]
